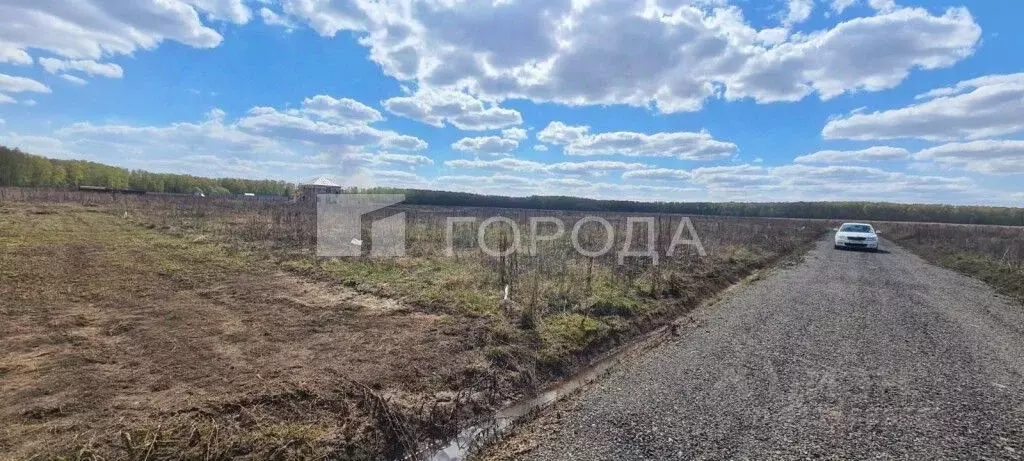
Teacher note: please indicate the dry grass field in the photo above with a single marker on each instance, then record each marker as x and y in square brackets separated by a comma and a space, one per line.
[994, 254]
[182, 328]
[121, 338]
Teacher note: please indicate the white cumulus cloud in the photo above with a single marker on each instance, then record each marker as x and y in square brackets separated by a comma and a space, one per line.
[834, 182]
[271, 18]
[871, 154]
[973, 109]
[494, 145]
[343, 109]
[13, 55]
[658, 174]
[670, 54]
[73, 79]
[326, 121]
[577, 140]
[518, 134]
[93, 29]
[86, 66]
[560, 133]
[838, 6]
[987, 156]
[866, 54]
[325, 134]
[593, 168]
[224, 10]
[13, 84]
[385, 158]
[435, 107]
[799, 11]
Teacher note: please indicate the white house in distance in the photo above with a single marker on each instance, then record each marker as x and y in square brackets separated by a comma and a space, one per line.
[320, 185]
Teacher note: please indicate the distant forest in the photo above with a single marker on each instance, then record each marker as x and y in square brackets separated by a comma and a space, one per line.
[25, 170]
[20, 169]
[865, 211]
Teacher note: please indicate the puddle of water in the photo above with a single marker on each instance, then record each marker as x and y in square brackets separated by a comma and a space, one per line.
[482, 434]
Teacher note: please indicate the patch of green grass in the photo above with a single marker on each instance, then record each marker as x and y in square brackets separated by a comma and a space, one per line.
[96, 241]
[442, 285]
[565, 335]
[611, 300]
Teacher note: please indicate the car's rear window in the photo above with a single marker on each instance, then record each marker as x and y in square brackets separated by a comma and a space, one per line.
[855, 228]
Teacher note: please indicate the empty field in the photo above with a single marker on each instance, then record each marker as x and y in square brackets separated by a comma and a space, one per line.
[146, 327]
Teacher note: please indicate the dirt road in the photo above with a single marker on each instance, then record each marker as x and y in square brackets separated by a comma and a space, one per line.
[846, 355]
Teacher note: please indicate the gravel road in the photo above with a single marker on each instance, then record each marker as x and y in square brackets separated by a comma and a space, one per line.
[846, 355]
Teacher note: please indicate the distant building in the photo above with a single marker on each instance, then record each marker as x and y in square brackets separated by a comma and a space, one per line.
[321, 185]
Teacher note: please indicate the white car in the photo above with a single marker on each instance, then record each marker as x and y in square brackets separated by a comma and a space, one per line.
[857, 235]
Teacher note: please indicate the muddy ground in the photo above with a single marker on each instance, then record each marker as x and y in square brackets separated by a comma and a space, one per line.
[117, 340]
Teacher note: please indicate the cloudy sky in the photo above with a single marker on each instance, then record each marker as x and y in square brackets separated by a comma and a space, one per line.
[639, 99]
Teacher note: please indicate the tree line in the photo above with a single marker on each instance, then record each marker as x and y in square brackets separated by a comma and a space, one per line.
[851, 211]
[20, 169]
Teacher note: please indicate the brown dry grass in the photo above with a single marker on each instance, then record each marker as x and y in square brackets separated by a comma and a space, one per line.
[110, 330]
[178, 328]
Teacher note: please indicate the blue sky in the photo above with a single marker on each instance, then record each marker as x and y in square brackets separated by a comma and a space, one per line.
[638, 99]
